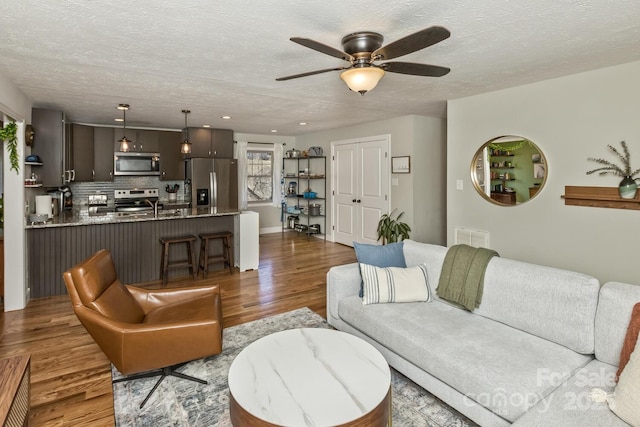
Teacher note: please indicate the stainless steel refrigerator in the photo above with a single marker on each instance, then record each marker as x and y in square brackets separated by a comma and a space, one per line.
[213, 183]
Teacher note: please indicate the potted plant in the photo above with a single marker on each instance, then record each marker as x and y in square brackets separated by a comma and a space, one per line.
[627, 186]
[9, 133]
[391, 229]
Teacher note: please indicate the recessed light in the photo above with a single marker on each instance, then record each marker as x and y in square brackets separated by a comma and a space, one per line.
[226, 117]
[274, 130]
[118, 120]
[206, 126]
[303, 123]
[123, 107]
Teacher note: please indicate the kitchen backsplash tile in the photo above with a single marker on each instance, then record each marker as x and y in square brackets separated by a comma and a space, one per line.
[81, 190]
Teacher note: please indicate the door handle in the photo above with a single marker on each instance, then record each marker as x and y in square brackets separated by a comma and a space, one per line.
[354, 200]
[359, 200]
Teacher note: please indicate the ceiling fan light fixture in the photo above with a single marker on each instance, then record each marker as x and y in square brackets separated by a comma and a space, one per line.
[362, 79]
[185, 148]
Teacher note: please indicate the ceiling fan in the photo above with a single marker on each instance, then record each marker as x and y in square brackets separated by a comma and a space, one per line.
[363, 49]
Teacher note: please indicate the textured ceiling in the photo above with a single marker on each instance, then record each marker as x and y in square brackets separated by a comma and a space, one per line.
[221, 58]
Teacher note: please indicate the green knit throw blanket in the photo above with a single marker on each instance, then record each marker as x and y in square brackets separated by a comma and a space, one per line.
[462, 276]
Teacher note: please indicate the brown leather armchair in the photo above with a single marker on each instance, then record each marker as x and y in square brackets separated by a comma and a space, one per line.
[142, 330]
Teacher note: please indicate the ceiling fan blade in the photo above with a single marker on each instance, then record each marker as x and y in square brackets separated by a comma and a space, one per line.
[415, 69]
[412, 43]
[310, 73]
[322, 48]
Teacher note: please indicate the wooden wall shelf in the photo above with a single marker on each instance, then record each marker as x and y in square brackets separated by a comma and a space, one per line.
[598, 197]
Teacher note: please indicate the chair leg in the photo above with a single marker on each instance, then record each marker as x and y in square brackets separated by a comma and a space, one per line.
[165, 275]
[205, 262]
[192, 260]
[162, 373]
[164, 264]
[201, 256]
[229, 254]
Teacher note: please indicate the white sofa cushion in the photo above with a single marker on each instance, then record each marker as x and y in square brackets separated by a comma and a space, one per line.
[394, 284]
[557, 305]
[612, 319]
[554, 304]
[571, 405]
[491, 363]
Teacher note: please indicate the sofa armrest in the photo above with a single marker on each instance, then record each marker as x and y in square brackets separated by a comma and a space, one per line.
[342, 281]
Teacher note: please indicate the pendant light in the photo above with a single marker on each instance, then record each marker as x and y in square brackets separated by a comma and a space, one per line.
[124, 142]
[186, 145]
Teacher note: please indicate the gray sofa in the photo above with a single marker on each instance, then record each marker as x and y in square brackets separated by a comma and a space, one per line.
[529, 355]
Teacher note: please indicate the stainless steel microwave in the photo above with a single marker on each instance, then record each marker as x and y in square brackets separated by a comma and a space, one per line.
[135, 163]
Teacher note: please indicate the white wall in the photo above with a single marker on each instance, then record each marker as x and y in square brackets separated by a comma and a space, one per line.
[570, 119]
[419, 194]
[429, 171]
[15, 104]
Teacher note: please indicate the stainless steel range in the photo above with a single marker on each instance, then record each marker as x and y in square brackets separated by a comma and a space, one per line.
[136, 200]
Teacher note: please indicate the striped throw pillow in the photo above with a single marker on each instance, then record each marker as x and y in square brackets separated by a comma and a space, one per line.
[394, 284]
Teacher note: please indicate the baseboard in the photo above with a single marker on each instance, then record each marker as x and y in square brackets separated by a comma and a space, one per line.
[269, 230]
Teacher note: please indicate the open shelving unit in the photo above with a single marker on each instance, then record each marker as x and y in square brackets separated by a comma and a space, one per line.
[301, 212]
[37, 184]
[501, 173]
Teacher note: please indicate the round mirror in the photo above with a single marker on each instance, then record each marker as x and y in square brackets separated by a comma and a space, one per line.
[509, 170]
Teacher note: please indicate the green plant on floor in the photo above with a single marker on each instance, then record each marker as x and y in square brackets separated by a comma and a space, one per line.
[9, 133]
[391, 229]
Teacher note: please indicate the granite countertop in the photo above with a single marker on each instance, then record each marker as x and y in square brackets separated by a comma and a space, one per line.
[82, 216]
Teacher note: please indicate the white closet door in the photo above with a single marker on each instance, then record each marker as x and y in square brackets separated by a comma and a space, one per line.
[373, 189]
[361, 189]
[345, 193]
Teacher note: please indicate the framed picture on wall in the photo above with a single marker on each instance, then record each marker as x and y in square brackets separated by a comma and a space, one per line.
[401, 164]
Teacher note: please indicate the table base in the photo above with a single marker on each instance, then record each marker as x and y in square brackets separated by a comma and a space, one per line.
[380, 416]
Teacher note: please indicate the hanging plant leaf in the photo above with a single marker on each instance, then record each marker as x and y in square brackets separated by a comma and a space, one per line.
[9, 133]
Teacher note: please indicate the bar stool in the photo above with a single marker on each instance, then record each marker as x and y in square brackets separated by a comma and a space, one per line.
[226, 256]
[166, 264]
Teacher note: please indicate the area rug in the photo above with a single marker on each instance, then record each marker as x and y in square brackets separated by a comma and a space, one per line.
[181, 403]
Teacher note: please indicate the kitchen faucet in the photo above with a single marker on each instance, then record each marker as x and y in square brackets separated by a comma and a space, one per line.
[154, 205]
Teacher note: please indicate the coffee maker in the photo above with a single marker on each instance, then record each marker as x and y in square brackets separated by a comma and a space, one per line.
[65, 197]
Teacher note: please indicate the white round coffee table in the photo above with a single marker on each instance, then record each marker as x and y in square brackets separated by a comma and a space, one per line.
[310, 377]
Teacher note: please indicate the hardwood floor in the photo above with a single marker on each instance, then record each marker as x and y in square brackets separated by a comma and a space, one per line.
[71, 377]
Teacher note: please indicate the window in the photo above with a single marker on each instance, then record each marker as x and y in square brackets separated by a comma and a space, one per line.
[259, 176]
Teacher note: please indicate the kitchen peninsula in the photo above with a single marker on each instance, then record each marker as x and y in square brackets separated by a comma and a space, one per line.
[132, 239]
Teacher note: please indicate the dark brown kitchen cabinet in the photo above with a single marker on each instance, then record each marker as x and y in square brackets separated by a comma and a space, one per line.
[210, 142]
[222, 143]
[82, 153]
[171, 159]
[200, 139]
[103, 153]
[51, 145]
[148, 141]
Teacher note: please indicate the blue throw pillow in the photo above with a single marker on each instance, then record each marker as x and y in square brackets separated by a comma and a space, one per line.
[389, 255]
